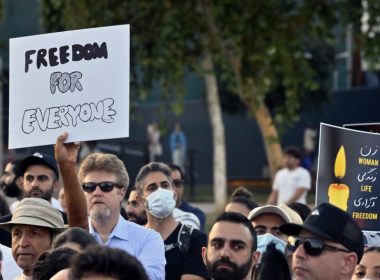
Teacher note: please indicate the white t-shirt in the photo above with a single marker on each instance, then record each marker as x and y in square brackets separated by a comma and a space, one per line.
[286, 182]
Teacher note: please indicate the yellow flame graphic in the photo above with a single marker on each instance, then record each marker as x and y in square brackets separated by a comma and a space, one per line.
[340, 163]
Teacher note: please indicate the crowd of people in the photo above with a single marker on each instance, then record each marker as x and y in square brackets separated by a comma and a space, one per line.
[88, 234]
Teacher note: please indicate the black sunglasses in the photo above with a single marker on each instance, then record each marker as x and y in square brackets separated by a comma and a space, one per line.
[105, 186]
[312, 246]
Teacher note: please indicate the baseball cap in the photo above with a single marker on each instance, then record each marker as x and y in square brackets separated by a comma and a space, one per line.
[331, 223]
[35, 212]
[285, 212]
[39, 159]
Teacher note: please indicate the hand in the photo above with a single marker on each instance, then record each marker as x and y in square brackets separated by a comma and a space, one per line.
[65, 152]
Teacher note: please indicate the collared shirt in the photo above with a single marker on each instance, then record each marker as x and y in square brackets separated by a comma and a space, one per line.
[145, 244]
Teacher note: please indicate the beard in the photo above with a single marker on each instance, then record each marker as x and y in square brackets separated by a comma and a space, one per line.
[37, 192]
[100, 212]
[11, 190]
[235, 273]
[138, 219]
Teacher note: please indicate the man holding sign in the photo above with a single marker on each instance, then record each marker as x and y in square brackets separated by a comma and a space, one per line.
[104, 180]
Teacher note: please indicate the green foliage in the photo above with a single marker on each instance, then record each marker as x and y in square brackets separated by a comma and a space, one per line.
[260, 48]
[369, 32]
[2, 8]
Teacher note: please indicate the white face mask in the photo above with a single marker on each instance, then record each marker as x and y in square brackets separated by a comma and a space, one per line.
[161, 203]
[264, 239]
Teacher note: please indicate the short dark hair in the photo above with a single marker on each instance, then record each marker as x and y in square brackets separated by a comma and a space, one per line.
[175, 167]
[238, 218]
[294, 152]
[273, 265]
[148, 169]
[75, 235]
[243, 196]
[51, 262]
[372, 249]
[16, 167]
[106, 261]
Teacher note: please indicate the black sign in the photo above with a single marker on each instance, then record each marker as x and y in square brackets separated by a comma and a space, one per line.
[348, 173]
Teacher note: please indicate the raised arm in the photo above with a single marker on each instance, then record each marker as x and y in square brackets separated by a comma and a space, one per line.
[66, 156]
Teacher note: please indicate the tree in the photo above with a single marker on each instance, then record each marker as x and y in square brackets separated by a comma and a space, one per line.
[261, 46]
[254, 47]
[162, 48]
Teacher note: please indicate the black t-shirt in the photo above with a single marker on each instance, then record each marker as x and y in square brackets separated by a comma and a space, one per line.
[177, 264]
[5, 236]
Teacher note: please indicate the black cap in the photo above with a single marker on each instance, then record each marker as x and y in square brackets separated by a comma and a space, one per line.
[331, 223]
[39, 159]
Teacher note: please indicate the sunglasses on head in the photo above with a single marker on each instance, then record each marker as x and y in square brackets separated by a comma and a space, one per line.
[105, 186]
[312, 246]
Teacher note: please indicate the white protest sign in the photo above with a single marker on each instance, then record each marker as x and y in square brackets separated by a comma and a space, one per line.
[74, 81]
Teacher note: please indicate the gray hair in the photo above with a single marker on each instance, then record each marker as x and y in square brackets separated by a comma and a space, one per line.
[105, 162]
[148, 169]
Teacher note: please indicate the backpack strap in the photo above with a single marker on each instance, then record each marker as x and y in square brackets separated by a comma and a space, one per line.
[183, 240]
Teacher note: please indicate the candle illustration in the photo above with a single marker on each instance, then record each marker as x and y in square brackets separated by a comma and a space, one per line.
[338, 193]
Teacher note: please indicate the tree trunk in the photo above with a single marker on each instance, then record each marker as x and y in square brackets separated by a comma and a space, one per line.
[218, 137]
[271, 141]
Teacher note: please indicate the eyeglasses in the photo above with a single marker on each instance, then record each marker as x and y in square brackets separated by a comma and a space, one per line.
[178, 183]
[105, 186]
[312, 246]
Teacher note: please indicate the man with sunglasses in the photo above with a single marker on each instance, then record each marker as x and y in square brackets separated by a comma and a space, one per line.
[179, 183]
[327, 246]
[104, 180]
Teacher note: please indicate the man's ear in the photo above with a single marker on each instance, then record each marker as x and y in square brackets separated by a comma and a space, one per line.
[349, 263]
[56, 186]
[255, 257]
[121, 193]
[204, 255]
[19, 182]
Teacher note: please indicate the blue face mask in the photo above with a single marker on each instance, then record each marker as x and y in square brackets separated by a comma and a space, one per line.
[264, 239]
